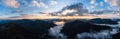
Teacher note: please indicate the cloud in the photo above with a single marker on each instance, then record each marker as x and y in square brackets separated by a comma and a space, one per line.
[31, 16]
[112, 2]
[101, 3]
[68, 12]
[53, 2]
[25, 2]
[92, 1]
[41, 4]
[2, 17]
[71, 10]
[105, 0]
[11, 3]
[118, 2]
[110, 15]
[24, 16]
[92, 6]
[38, 4]
[17, 11]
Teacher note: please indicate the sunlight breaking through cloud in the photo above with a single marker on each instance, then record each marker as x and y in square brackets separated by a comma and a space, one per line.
[68, 11]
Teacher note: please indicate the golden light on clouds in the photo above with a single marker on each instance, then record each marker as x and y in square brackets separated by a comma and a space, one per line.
[59, 22]
[76, 16]
[56, 17]
[68, 11]
[12, 3]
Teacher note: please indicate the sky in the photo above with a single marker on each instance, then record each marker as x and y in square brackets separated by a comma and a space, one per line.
[10, 8]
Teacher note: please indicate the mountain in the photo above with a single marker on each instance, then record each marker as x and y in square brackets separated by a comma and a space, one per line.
[102, 21]
[5, 21]
[116, 36]
[25, 29]
[117, 20]
[71, 29]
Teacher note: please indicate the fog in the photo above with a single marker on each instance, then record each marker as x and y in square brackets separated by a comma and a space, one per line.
[105, 34]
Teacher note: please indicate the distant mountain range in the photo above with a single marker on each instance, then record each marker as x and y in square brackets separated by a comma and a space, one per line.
[25, 29]
[71, 29]
[103, 21]
[38, 29]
